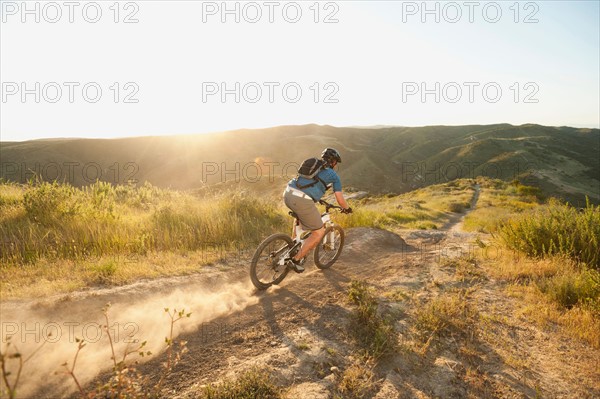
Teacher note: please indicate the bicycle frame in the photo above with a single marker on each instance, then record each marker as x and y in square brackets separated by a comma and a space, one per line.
[299, 235]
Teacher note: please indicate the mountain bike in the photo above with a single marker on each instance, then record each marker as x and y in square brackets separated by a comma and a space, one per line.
[269, 261]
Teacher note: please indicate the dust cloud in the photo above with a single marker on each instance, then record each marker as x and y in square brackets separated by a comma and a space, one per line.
[133, 318]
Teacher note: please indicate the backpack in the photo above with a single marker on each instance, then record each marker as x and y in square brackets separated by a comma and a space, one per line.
[310, 169]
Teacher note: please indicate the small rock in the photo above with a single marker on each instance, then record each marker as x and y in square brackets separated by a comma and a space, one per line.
[358, 195]
[334, 369]
[273, 343]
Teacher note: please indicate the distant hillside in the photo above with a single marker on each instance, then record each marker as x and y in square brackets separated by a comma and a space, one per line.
[563, 161]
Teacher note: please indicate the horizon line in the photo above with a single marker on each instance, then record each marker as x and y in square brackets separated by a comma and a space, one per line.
[373, 127]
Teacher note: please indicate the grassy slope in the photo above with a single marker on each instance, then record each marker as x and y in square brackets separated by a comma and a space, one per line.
[426, 208]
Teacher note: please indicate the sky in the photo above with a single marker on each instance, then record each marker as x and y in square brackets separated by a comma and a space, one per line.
[107, 69]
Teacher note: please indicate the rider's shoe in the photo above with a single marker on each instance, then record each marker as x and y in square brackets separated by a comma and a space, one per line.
[296, 265]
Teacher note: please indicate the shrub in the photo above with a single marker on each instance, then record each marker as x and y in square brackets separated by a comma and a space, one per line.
[557, 229]
[48, 202]
[101, 197]
[142, 197]
[570, 288]
[527, 191]
[104, 271]
[456, 207]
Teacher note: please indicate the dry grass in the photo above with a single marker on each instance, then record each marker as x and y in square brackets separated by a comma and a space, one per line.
[580, 322]
[466, 269]
[56, 238]
[357, 382]
[547, 253]
[374, 333]
[426, 208]
[498, 202]
[50, 277]
[449, 314]
[252, 384]
[398, 295]
[553, 291]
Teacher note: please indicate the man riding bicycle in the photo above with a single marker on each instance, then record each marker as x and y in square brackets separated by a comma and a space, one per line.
[302, 193]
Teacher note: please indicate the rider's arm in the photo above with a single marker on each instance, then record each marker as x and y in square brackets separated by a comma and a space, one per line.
[341, 200]
[337, 189]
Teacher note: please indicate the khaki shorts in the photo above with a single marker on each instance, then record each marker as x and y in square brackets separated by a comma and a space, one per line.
[307, 211]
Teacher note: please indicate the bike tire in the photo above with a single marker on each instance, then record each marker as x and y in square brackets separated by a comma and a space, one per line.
[325, 262]
[286, 243]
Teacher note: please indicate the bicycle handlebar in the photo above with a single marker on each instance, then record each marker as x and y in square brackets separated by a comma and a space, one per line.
[329, 206]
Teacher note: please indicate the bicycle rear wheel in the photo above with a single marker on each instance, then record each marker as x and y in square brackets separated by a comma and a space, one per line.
[266, 268]
[330, 247]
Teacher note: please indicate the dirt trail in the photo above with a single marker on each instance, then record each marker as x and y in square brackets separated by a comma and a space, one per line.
[300, 329]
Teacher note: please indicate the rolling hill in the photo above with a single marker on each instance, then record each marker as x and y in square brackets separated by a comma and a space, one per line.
[563, 161]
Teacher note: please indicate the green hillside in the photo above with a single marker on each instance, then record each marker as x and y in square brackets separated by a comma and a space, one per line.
[563, 161]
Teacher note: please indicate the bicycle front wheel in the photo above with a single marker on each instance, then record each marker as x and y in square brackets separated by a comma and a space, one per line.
[266, 268]
[330, 247]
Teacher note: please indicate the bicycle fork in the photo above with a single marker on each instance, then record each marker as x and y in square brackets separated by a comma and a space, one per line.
[329, 241]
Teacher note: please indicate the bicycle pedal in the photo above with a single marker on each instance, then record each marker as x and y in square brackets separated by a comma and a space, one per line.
[297, 267]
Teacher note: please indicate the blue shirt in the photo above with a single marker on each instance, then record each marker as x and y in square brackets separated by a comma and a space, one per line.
[317, 191]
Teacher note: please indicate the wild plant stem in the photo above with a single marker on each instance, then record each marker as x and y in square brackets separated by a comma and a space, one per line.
[72, 371]
[112, 348]
[169, 351]
[11, 392]
[18, 377]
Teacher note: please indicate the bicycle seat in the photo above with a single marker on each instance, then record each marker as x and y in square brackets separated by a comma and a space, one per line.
[293, 214]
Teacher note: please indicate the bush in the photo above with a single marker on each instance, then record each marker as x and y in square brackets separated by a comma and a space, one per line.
[142, 197]
[104, 272]
[46, 203]
[557, 229]
[572, 287]
[101, 198]
[456, 207]
[527, 191]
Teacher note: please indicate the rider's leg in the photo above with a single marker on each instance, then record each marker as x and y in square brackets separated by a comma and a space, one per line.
[310, 243]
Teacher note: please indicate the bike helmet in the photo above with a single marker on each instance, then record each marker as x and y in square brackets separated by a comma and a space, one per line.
[331, 154]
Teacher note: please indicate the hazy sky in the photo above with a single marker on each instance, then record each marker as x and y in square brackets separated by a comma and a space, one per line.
[178, 67]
